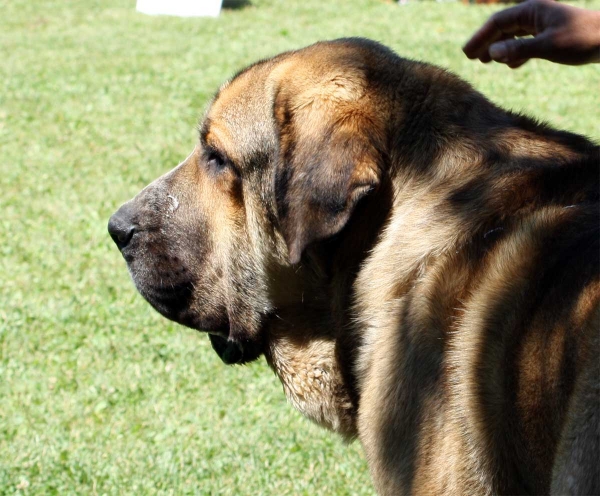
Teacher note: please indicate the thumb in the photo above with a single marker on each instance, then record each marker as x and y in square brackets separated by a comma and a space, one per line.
[514, 49]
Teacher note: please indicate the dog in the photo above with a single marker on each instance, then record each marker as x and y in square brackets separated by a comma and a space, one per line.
[419, 267]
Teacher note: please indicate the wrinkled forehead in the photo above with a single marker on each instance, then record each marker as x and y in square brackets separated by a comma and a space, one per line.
[240, 119]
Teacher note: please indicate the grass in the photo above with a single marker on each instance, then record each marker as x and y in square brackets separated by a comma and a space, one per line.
[98, 394]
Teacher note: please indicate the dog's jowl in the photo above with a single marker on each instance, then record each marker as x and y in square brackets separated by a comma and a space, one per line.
[419, 267]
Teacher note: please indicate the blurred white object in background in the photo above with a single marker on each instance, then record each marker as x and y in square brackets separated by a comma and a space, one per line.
[181, 8]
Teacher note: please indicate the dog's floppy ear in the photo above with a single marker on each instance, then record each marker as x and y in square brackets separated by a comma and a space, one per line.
[329, 157]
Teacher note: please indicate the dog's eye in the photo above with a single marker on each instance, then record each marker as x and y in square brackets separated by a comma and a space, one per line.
[216, 161]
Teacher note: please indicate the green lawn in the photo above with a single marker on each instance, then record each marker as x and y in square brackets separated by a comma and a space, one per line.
[98, 394]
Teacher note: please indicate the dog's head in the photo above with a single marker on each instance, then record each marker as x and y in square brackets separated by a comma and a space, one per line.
[286, 151]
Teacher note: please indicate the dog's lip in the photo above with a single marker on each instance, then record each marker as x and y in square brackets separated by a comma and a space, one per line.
[229, 352]
[127, 254]
[233, 352]
[128, 250]
[136, 242]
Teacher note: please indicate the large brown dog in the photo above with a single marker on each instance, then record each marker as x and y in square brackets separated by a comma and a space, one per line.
[419, 267]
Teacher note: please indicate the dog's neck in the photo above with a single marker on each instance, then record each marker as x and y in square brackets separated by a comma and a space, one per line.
[432, 204]
[308, 343]
[305, 360]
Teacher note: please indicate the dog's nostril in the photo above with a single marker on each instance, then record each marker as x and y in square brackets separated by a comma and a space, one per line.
[125, 236]
[120, 231]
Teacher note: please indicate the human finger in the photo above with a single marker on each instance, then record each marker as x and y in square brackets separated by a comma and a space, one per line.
[514, 50]
[485, 56]
[515, 21]
[518, 63]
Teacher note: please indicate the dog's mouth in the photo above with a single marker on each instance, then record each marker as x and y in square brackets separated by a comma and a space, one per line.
[230, 351]
[173, 293]
[175, 307]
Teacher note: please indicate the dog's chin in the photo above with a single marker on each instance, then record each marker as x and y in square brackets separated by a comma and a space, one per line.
[173, 304]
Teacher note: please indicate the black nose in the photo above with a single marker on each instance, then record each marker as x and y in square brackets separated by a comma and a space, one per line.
[121, 226]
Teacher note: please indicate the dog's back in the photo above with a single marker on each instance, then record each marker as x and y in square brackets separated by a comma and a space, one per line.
[484, 331]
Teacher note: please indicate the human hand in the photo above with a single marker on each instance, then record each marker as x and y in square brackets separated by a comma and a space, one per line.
[561, 33]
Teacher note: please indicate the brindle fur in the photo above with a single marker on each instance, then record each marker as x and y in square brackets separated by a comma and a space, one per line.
[418, 266]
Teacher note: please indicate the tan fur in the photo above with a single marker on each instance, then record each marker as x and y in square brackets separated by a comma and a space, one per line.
[418, 266]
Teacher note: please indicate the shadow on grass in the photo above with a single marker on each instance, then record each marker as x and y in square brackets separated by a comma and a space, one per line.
[236, 4]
